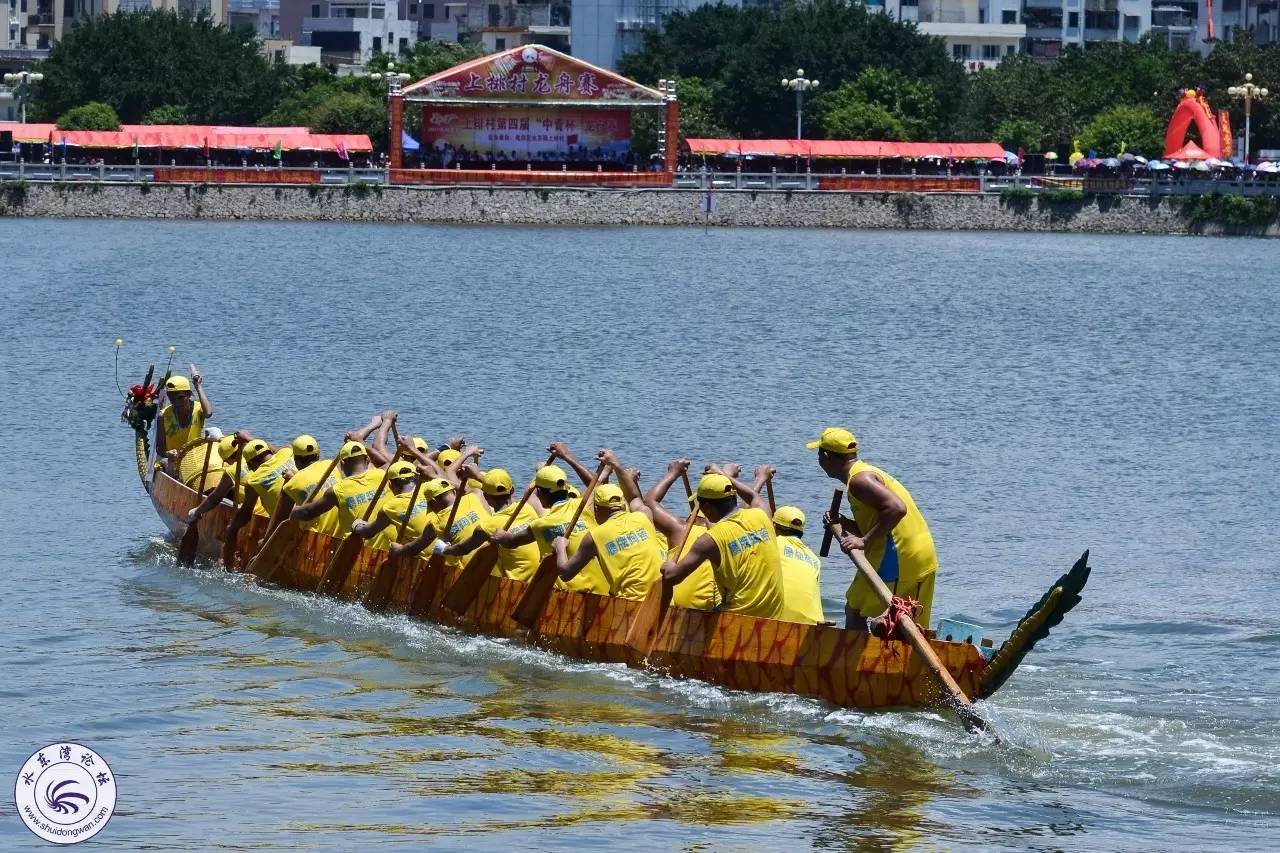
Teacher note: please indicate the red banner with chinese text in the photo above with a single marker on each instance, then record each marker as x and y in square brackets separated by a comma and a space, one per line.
[496, 134]
[532, 73]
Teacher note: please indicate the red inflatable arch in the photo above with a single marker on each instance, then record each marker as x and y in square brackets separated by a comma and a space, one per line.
[1193, 107]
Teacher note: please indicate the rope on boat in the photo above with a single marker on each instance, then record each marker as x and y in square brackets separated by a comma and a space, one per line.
[899, 609]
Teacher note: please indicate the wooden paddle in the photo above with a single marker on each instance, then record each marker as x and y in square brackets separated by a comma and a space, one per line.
[384, 577]
[952, 693]
[469, 582]
[429, 583]
[768, 490]
[191, 536]
[534, 601]
[642, 634]
[284, 537]
[344, 556]
[229, 538]
[836, 498]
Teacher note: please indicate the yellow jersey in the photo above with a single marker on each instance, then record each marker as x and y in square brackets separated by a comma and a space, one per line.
[177, 436]
[801, 581]
[299, 486]
[267, 480]
[517, 563]
[354, 495]
[698, 591]
[750, 573]
[905, 559]
[629, 553]
[472, 509]
[552, 524]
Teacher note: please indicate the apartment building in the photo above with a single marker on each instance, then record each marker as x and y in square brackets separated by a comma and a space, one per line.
[978, 33]
[1187, 24]
[262, 17]
[348, 32]
[37, 24]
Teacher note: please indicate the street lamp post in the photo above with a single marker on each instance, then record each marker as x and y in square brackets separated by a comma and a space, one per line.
[1248, 93]
[22, 89]
[799, 84]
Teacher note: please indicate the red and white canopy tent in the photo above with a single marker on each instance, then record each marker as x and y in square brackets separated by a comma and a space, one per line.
[1187, 153]
[193, 136]
[531, 100]
[857, 149]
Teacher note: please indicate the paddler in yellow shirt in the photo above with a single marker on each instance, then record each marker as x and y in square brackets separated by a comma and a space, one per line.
[427, 522]
[306, 455]
[262, 476]
[517, 563]
[551, 487]
[228, 477]
[698, 591]
[181, 421]
[886, 525]
[623, 540]
[741, 547]
[379, 532]
[352, 492]
[801, 569]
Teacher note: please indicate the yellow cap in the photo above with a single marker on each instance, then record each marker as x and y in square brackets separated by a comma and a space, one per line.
[789, 516]
[420, 444]
[352, 450]
[177, 383]
[448, 456]
[402, 470]
[610, 495]
[573, 491]
[550, 477]
[713, 487]
[497, 482]
[228, 448]
[254, 448]
[436, 487]
[305, 445]
[835, 440]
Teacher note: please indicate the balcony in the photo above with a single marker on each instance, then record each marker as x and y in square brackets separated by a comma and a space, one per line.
[942, 16]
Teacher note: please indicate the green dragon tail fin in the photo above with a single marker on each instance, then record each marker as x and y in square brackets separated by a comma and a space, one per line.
[1034, 627]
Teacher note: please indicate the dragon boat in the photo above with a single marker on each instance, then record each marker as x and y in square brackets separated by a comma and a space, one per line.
[846, 668]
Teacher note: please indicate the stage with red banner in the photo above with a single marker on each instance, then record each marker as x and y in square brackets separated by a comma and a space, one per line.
[529, 108]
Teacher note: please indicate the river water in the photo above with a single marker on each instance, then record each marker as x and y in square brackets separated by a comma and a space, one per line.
[1040, 394]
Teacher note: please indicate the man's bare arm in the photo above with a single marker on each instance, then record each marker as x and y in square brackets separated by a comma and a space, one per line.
[317, 507]
[871, 490]
[703, 550]
[570, 566]
[560, 449]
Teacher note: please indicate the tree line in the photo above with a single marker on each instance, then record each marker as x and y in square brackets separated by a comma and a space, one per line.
[881, 79]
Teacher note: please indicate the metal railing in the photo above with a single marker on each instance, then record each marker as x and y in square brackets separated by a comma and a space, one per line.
[845, 181]
[138, 173]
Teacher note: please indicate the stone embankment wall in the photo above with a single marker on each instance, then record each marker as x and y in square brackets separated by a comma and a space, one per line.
[961, 212]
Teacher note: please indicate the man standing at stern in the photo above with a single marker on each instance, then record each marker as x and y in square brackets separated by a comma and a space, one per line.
[886, 524]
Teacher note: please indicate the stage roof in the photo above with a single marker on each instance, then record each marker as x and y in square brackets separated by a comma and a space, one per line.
[192, 136]
[530, 75]
[845, 149]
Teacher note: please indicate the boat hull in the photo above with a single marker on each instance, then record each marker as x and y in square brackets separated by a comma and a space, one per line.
[845, 668]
